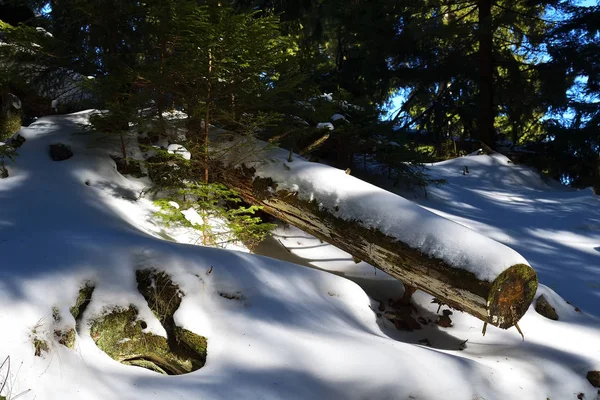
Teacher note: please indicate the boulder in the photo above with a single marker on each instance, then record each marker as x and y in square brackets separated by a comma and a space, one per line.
[594, 378]
[543, 307]
[16, 141]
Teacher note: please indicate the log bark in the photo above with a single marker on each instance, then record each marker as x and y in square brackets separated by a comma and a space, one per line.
[500, 303]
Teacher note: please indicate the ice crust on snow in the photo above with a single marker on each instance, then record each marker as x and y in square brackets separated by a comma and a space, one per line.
[393, 215]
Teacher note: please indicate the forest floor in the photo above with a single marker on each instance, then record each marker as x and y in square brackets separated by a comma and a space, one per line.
[277, 330]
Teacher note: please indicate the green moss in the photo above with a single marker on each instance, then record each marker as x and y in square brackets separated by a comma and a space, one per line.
[83, 299]
[146, 364]
[198, 344]
[66, 338]
[40, 346]
[162, 295]
[120, 335]
[9, 125]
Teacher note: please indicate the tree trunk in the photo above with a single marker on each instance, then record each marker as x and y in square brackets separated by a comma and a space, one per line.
[486, 74]
[207, 116]
[501, 302]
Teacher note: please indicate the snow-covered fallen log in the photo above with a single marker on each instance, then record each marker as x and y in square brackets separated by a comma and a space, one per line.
[458, 266]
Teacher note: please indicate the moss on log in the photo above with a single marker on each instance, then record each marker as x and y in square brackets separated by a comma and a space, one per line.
[500, 303]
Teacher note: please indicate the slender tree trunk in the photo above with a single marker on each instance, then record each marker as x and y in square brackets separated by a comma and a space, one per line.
[438, 118]
[233, 96]
[160, 98]
[486, 75]
[123, 147]
[205, 233]
[207, 116]
[339, 56]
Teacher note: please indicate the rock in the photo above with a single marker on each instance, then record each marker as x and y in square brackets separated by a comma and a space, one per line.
[60, 152]
[594, 378]
[444, 321]
[40, 347]
[66, 337]
[82, 301]
[402, 319]
[129, 167]
[3, 172]
[16, 141]
[543, 307]
[122, 334]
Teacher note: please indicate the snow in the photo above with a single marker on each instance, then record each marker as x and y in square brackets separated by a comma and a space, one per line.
[295, 332]
[337, 117]
[325, 125]
[180, 150]
[353, 199]
[14, 101]
[43, 31]
[555, 228]
[325, 96]
[192, 216]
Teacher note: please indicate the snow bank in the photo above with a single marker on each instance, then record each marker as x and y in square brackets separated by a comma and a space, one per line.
[556, 228]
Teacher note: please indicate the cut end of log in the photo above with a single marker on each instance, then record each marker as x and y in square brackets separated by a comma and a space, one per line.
[510, 295]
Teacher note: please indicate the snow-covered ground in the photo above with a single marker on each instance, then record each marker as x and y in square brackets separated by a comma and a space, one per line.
[290, 332]
[557, 229]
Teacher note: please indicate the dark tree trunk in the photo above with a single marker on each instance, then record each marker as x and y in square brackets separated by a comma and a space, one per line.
[486, 75]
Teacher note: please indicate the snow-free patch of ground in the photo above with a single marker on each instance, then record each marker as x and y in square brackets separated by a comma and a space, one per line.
[290, 332]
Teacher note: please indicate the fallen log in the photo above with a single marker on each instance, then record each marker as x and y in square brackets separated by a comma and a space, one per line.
[458, 266]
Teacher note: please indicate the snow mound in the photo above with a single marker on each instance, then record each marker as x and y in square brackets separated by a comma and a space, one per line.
[556, 228]
[496, 169]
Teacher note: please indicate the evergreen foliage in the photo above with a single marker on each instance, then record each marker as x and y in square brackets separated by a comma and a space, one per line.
[523, 72]
[222, 218]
